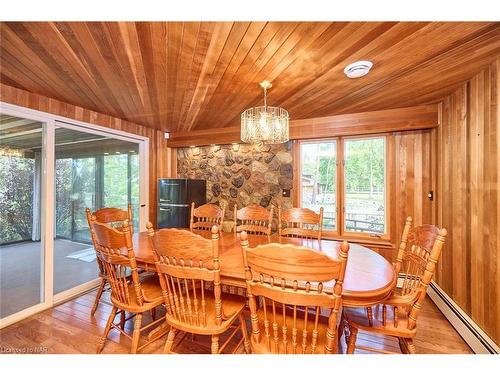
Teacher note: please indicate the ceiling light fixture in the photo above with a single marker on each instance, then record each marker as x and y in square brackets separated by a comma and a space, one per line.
[11, 152]
[265, 124]
[358, 69]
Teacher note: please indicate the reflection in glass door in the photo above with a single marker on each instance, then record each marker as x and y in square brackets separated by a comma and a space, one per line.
[93, 171]
[121, 180]
[75, 190]
[21, 250]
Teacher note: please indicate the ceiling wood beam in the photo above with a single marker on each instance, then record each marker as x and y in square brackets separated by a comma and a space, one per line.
[392, 120]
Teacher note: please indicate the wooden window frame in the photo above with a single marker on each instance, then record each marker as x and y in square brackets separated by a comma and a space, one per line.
[340, 233]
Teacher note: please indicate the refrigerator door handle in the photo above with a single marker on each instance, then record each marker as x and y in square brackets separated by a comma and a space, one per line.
[165, 209]
[173, 205]
[164, 200]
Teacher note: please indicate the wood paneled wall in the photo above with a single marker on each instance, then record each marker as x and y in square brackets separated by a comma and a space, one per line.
[158, 152]
[468, 201]
[412, 180]
[390, 120]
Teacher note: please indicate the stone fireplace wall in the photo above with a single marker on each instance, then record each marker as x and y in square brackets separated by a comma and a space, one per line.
[241, 174]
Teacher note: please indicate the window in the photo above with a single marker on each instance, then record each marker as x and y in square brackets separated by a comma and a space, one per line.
[361, 194]
[319, 180]
[364, 185]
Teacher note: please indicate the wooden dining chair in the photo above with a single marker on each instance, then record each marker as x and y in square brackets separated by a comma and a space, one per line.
[185, 263]
[397, 315]
[300, 222]
[206, 216]
[114, 217]
[129, 293]
[253, 219]
[290, 282]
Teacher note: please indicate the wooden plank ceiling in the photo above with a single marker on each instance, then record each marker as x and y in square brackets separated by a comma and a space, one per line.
[200, 75]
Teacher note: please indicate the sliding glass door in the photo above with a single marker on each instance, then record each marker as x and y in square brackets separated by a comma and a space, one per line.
[91, 171]
[51, 171]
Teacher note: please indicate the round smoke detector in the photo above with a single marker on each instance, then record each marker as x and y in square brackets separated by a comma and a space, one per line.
[358, 69]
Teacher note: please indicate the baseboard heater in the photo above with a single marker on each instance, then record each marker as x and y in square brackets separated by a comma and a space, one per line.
[474, 336]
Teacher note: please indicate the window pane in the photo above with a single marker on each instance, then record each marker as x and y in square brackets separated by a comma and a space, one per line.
[83, 194]
[318, 180]
[91, 171]
[121, 181]
[115, 181]
[21, 249]
[134, 188]
[364, 185]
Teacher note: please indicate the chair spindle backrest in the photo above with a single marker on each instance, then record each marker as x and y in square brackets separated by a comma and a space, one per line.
[253, 219]
[292, 278]
[418, 254]
[300, 222]
[206, 216]
[114, 217]
[115, 251]
[185, 262]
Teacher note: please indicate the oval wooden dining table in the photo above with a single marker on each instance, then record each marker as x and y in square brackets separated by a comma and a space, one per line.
[368, 280]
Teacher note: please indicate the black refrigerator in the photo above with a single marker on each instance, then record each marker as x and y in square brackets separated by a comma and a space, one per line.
[174, 200]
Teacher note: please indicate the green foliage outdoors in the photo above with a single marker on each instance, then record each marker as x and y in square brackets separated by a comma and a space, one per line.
[75, 190]
[364, 169]
[16, 190]
[63, 197]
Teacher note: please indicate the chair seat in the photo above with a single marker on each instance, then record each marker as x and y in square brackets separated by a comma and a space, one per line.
[358, 318]
[152, 295]
[232, 305]
[268, 346]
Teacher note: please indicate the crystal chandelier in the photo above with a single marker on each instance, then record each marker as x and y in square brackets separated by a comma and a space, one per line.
[264, 124]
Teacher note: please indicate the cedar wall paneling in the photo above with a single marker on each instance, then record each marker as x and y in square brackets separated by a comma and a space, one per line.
[468, 203]
[412, 181]
[158, 153]
[390, 120]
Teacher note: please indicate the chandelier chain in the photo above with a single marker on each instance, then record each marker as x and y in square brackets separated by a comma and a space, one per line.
[265, 98]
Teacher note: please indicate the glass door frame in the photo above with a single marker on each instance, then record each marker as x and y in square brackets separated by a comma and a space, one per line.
[47, 217]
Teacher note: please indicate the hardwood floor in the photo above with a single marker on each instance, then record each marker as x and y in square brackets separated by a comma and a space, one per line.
[68, 328]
